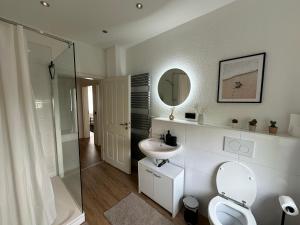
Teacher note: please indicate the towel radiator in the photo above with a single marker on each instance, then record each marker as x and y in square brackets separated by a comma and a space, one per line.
[140, 112]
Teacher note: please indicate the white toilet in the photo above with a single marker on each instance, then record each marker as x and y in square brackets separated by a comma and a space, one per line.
[237, 189]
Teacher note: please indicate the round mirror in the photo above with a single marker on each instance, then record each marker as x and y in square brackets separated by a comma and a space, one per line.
[174, 87]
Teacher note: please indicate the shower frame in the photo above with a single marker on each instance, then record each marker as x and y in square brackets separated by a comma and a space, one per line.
[70, 44]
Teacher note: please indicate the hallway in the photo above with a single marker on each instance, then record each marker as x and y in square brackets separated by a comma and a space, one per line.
[90, 154]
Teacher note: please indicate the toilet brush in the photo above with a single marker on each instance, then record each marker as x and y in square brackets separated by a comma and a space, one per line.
[288, 207]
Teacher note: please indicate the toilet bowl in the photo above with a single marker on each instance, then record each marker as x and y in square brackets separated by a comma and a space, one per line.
[237, 189]
[225, 212]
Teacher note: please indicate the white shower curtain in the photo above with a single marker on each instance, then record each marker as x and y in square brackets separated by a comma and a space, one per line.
[26, 194]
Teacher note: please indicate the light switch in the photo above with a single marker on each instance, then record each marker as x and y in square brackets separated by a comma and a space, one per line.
[239, 146]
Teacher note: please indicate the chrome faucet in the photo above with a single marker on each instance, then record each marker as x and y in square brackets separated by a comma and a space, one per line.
[150, 132]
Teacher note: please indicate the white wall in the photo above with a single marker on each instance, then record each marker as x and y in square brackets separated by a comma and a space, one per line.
[39, 57]
[241, 28]
[71, 161]
[85, 112]
[115, 59]
[275, 164]
[41, 51]
[57, 47]
[110, 62]
[90, 60]
[67, 110]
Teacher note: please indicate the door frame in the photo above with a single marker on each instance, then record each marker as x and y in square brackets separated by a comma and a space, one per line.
[84, 82]
[85, 112]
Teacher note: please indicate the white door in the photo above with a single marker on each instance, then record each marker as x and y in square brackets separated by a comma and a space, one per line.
[116, 122]
[162, 193]
[146, 181]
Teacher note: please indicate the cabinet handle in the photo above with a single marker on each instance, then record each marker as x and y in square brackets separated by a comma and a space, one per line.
[157, 175]
[149, 171]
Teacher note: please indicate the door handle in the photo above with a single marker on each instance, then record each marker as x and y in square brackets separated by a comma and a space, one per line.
[126, 125]
[149, 171]
[156, 175]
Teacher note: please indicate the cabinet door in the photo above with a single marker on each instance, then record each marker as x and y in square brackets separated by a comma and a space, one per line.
[163, 191]
[146, 181]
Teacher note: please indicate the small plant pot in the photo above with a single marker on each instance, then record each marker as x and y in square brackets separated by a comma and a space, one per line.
[273, 130]
[252, 128]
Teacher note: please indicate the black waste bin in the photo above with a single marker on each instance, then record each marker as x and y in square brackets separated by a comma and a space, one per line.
[191, 206]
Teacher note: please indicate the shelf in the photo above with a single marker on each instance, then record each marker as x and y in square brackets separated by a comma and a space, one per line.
[186, 122]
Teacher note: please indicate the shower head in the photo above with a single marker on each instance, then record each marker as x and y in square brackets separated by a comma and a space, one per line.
[51, 68]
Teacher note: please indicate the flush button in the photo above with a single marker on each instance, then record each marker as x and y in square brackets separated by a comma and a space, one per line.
[239, 146]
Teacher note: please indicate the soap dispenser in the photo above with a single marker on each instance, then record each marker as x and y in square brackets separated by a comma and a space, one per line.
[168, 137]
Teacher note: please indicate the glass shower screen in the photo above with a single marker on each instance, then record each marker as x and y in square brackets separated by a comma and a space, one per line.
[65, 111]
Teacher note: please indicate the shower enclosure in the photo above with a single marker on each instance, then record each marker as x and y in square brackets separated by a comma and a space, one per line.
[54, 89]
[66, 126]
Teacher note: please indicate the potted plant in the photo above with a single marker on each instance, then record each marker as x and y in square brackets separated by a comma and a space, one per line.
[273, 128]
[252, 125]
[234, 123]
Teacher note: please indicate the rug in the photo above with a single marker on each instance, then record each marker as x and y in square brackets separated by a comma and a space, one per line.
[133, 210]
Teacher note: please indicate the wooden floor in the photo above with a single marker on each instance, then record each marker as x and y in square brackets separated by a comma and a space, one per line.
[89, 153]
[104, 186]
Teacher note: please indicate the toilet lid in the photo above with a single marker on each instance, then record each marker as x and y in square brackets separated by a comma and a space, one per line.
[237, 181]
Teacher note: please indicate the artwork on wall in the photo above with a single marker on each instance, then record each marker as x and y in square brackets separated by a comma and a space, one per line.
[241, 79]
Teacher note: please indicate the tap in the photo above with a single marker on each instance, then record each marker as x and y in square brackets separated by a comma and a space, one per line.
[150, 132]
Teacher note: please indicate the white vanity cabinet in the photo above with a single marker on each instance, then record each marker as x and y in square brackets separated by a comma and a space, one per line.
[164, 185]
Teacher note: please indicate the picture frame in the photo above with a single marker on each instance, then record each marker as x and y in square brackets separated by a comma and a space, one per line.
[241, 79]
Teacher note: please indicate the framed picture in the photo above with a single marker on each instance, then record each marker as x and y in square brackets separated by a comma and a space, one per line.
[241, 79]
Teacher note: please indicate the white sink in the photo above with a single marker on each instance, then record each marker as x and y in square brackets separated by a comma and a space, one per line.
[156, 149]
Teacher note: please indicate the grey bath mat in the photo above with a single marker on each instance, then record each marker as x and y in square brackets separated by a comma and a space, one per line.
[133, 210]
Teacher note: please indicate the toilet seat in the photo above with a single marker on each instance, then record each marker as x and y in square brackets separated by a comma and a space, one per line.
[236, 181]
[239, 214]
[237, 189]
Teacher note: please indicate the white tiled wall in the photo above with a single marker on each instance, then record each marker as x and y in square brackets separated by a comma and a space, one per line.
[70, 153]
[275, 164]
[39, 58]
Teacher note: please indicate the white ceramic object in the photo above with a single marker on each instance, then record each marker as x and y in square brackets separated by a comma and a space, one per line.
[237, 187]
[294, 127]
[288, 205]
[156, 149]
[164, 185]
[222, 211]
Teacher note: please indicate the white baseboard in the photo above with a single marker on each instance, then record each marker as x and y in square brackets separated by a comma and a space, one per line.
[79, 220]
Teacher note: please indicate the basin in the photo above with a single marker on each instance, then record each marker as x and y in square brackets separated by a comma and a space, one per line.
[157, 149]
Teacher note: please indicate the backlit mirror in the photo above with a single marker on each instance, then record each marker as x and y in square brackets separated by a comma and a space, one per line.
[174, 87]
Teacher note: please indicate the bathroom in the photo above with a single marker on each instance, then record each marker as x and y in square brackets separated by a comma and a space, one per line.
[196, 40]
